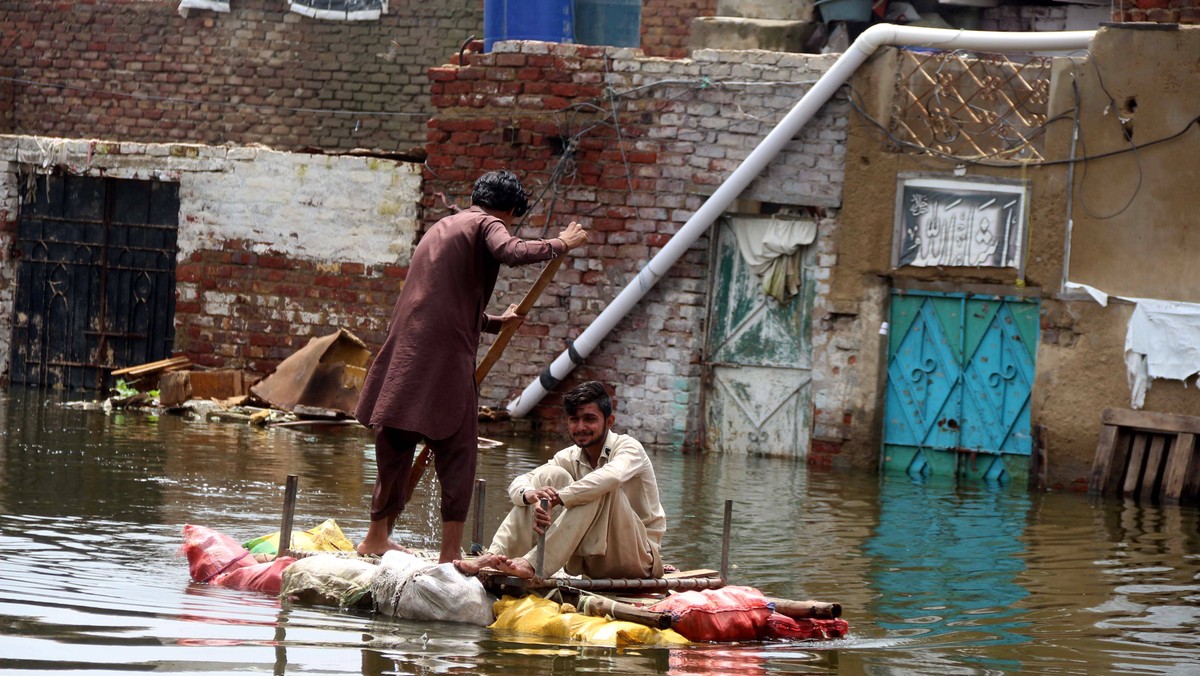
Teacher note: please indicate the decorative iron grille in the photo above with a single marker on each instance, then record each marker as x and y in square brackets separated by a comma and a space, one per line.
[972, 106]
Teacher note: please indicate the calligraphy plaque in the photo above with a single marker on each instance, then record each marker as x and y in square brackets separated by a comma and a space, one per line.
[959, 223]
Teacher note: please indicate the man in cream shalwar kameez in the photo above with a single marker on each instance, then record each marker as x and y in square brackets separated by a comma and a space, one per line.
[608, 521]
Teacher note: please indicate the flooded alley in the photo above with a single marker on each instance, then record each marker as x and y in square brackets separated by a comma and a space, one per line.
[933, 578]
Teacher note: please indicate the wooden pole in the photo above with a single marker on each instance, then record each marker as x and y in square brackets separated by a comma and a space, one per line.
[599, 606]
[523, 308]
[490, 359]
[724, 572]
[289, 513]
[477, 529]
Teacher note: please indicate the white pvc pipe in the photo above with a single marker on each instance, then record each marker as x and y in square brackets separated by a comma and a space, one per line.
[805, 109]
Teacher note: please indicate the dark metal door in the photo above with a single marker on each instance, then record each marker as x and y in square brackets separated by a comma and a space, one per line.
[95, 278]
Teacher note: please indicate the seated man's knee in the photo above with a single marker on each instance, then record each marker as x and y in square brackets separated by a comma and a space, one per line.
[552, 476]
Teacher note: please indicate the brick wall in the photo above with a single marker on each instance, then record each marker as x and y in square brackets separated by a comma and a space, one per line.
[1159, 11]
[136, 70]
[667, 24]
[632, 178]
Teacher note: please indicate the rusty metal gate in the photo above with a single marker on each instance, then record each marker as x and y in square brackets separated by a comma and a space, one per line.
[758, 363]
[95, 278]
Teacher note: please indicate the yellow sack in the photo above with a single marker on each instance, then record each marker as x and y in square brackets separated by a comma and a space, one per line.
[541, 617]
[327, 537]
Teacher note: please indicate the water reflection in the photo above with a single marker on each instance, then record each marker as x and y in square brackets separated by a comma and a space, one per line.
[934, 578]
[945, 561]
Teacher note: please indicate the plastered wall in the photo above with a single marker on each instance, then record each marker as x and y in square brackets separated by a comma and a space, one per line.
[1140, 249]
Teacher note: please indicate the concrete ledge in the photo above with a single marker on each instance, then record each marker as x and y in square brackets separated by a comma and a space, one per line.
[723, 32]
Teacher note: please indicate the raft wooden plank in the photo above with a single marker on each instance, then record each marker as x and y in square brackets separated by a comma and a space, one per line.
[1102, 462]
[1151, 421]
[1153, 466]
[1133, 471]
[1177, 466]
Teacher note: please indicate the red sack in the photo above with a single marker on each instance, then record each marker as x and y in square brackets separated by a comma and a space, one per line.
[263, 577]
[210, 553]
[795, 629]
[726, 614]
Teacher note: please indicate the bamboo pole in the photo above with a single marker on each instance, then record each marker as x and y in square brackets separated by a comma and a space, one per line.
[599, 606]
[601, 584]
[806, 609]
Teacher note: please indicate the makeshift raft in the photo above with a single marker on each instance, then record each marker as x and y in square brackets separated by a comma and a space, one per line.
[679, 607]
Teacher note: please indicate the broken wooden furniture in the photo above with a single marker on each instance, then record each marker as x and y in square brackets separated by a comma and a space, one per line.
[1147, 456]
[178, 387]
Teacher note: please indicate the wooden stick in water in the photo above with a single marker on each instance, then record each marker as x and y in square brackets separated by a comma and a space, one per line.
[725, 539]
[289, 513]
[477, 529]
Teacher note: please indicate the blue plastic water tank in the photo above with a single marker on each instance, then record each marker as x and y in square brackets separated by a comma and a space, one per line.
[616, 23]
[544, 20]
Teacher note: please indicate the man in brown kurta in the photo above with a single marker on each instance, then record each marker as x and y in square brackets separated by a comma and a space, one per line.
[422, 383]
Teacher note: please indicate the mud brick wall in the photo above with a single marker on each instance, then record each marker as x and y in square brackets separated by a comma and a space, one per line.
[629, 146]
[136, 70]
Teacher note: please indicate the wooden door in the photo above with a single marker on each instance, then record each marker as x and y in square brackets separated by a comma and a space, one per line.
[758, 366]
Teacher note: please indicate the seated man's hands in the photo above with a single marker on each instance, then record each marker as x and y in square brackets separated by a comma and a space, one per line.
[542, 517]
[534, 495]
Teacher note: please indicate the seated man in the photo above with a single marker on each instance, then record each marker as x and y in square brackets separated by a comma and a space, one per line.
[608, 523]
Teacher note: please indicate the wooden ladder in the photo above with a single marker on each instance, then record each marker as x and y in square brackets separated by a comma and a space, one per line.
[1146, 455]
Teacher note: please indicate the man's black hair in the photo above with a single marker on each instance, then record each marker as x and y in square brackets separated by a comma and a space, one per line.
[501, 190]
[590, 392]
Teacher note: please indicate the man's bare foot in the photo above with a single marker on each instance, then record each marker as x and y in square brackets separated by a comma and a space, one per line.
[369, 548]
[517, 568]
[486, 560]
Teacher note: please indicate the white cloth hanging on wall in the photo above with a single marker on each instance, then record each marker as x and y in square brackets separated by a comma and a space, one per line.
[772, 249]
[1163, 341]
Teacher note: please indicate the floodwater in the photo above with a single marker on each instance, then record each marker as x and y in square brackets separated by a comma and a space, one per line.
[934, 579]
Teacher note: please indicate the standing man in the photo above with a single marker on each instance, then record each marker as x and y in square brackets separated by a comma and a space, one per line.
[611, 522]
[422, 383]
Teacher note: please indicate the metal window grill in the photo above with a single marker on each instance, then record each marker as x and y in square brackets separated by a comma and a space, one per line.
[972, 106]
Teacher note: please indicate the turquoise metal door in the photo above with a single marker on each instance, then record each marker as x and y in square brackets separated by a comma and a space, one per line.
[758, 359]
[959, 379]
